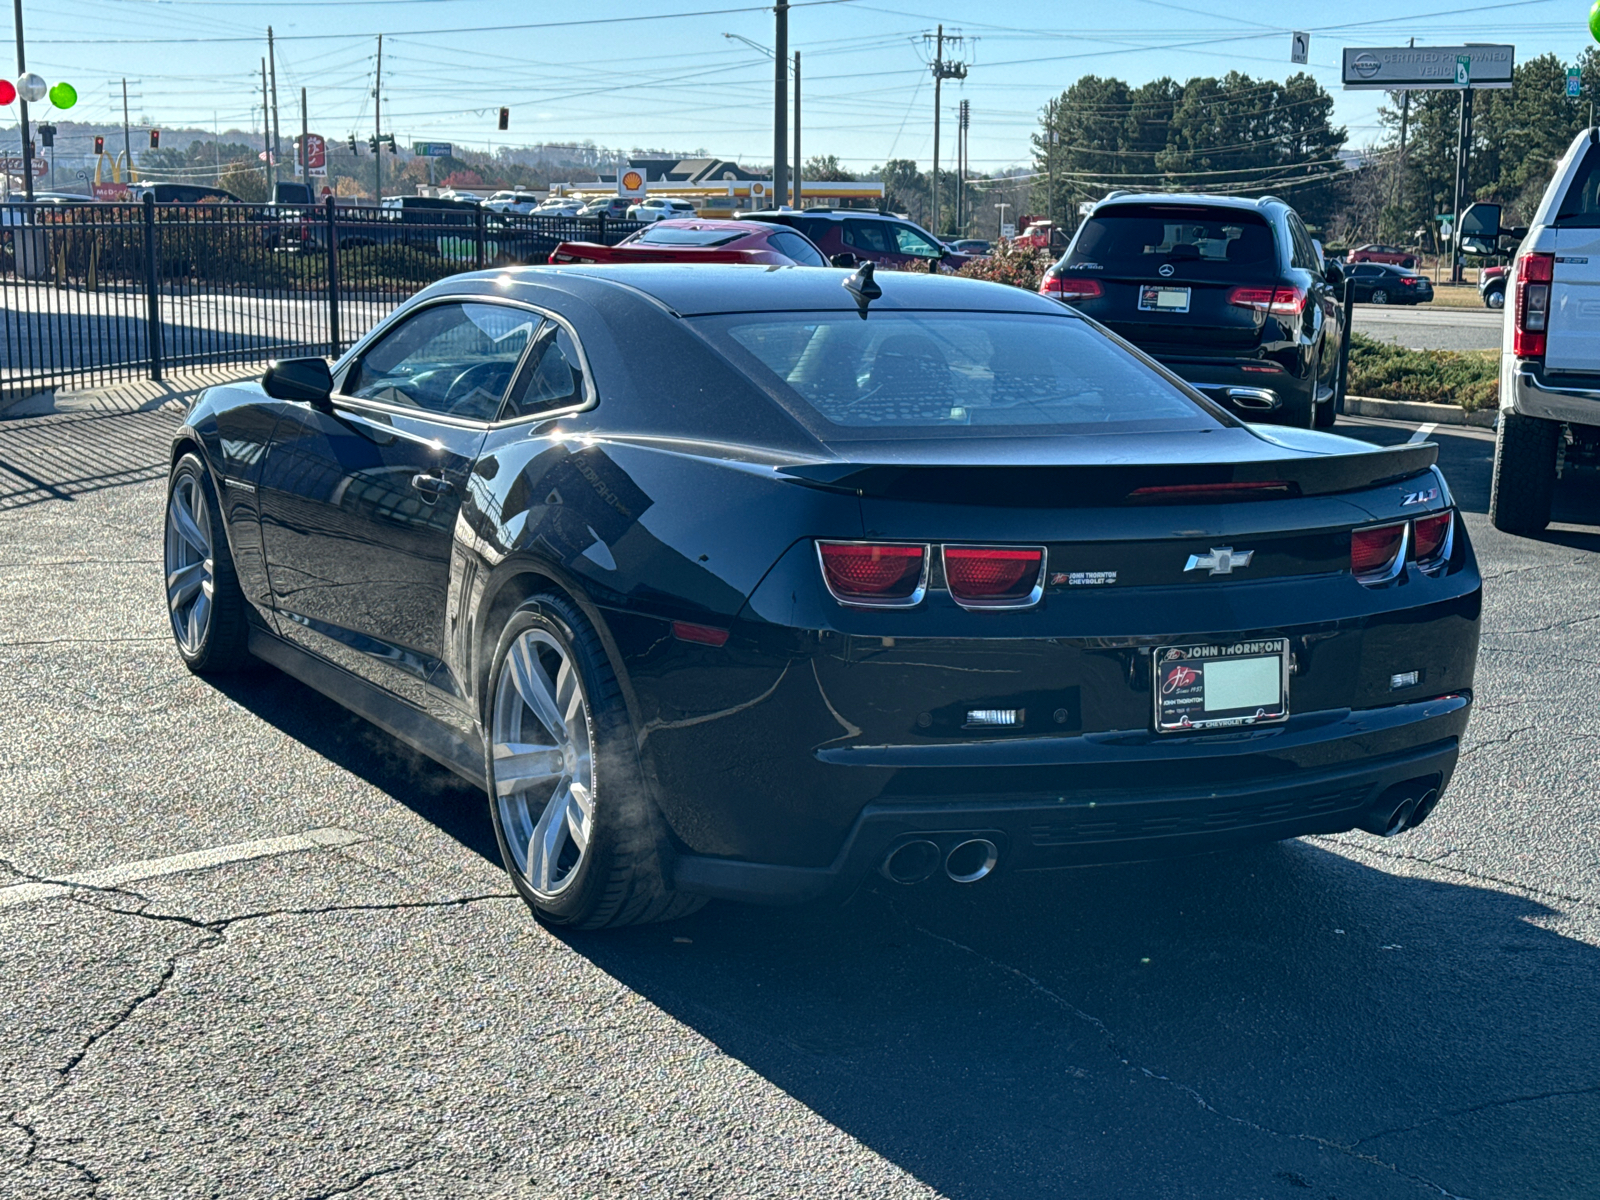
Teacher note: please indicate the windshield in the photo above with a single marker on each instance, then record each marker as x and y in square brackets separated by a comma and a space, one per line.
[927, 374]
[677, 235]
[1222, 243]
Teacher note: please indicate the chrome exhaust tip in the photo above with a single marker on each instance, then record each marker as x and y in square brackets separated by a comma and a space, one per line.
[971, 860]
[910, 862]
[1254, 399]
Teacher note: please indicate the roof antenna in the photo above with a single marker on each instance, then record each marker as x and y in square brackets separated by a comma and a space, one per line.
[860, 284]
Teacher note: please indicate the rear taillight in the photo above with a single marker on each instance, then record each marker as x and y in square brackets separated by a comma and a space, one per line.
[994, 576]
[874, 574]
[1407, 281]
[1279, 301]
[1378, 553]
[1430, 539]
[1532, 312]
[1069, 289]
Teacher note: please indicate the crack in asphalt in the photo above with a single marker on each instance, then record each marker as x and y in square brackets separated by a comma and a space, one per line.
[1509, 1102]
[216, 936]
[1200, 1101]
[363, 1179]
[1469, 872]
[1568, 623]
[1497, 741]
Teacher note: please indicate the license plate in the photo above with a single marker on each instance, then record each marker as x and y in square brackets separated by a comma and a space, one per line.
[1214, 686]
[1155, 298]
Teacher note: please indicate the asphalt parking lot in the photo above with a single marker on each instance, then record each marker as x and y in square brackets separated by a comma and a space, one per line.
[334, 993]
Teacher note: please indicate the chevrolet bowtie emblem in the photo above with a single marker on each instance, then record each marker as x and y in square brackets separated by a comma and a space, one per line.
[1221, 561]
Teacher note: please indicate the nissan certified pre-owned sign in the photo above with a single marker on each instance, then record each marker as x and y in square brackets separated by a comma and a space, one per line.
[1426, 68]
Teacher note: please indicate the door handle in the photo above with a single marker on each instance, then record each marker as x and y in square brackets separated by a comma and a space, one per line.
[432, 486]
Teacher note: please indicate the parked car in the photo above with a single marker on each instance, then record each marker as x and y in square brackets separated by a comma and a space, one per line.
[1040, 235]
[520, 203]
[613, 208]
[1550, 358]
[1398, 255]
[1231, 294]
[856, 236]
[419, 221]
[971, 246]
[182, 193]
[1492, 286]
[460, 197]
[659, 208]
[558, 206]
[700, 240]
[1383, 283]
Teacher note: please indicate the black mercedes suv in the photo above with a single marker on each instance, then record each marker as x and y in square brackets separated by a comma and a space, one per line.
[1231, 294]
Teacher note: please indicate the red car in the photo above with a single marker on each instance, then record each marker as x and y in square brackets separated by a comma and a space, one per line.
[694, 239]
[1396, 255]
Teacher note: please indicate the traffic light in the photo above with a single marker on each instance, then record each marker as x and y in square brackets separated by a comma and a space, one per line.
[47, 136]
[389, 137]
[99, 145]
[505, 118]
[155, 139]
[372, 144]
[352, 145]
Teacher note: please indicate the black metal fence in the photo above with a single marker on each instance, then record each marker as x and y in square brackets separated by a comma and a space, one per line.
[96, 293]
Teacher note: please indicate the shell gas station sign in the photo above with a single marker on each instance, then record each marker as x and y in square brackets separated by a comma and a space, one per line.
[631, 183]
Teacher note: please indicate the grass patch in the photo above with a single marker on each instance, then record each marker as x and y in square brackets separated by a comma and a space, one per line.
[1469, 378]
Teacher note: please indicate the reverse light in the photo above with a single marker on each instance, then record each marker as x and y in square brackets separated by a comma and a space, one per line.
[1068, 288]
[1378, 553]
[1279, 301]
[1532, 311]
[1431, 538]
[994, 576]
[875, 574]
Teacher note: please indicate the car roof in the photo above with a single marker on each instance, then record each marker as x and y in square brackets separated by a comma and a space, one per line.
[698, 289]
[1189, 199]
[723, 223]
[825, 214]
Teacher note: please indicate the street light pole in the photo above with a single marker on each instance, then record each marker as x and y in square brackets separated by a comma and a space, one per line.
[1000, 225]
[797, 202]
[780, 105]
[27, 144]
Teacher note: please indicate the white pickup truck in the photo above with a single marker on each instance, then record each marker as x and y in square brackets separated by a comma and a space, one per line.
[1550, 354]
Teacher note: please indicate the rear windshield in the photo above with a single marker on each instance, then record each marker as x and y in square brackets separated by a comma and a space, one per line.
[1135, 240]
[1580, 207]
[925, 374]
[655, 235]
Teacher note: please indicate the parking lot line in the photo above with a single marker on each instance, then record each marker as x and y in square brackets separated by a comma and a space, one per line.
[174, 864]
[1421, 435]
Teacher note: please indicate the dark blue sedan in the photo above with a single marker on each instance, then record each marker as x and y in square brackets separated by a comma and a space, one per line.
[751, 582]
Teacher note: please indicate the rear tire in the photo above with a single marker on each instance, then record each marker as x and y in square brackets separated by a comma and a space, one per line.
[1524, 484]
[581, 837]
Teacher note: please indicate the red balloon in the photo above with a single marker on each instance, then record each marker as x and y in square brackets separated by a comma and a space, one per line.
[8, 91]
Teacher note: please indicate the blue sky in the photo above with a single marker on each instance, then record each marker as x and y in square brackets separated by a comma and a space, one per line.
[675, 81]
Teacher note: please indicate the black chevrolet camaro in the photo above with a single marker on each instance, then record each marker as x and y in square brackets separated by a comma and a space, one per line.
[748, 582]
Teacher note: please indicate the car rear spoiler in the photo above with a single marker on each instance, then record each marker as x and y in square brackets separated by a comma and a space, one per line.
[592, 252]
[1120, 484]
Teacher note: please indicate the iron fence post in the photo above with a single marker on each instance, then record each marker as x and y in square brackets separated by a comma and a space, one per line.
[1344, 344]
[601, 217]
[477, 221]
[334, 339]
[152, 277]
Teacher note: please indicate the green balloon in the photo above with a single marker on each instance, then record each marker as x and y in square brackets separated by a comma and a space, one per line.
[64, 95]
[1594, 21]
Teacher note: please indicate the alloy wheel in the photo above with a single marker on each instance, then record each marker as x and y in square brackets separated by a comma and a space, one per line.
[542, 761]
[190, 580]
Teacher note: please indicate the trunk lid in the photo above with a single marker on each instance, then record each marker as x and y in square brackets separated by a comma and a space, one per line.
[1573, 343]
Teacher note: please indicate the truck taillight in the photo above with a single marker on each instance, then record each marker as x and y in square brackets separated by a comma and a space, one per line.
[1532, 312]
[875, 574]
[1064, 288]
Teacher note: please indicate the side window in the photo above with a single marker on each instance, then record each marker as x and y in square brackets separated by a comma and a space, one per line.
[551, 378]
[454, 359]
[868, 236]
[797, 248]
[1580, 207]
[909, 240]
[1301, 253]
[816, 228]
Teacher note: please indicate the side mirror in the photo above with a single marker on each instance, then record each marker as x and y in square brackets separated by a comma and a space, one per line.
[1481, 221]
[1477, 245]
[848, 261]
[1333, 273]
[303, 380]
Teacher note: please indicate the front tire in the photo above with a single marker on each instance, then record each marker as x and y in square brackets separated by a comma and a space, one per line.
[1524, 484]
[1495, 298]
[1379, 296]
[205, 606]
[578, 831]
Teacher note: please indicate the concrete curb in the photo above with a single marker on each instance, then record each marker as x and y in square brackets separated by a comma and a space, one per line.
[1408, 410]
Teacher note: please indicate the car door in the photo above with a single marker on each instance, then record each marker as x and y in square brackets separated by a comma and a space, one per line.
[1363, 273]
[916, 247]
[359, 499]
[870, 240]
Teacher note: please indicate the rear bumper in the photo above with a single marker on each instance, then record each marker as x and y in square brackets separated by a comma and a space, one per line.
[1238, 384]
[1043, 831]
[1534, 395]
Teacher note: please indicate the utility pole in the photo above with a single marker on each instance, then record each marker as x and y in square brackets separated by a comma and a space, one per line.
[266, 131]
[277, 130]
[780, 104]
[961, 180]
[127, 141]
[1051, 137]
[1405, 116]
[216, 144]
[377, 126]
[305, 145]
[941, 71]
[27, 140]
[797, 202]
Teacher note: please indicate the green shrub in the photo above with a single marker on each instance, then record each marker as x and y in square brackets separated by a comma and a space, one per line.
[1470, 378]
[1020, 266]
